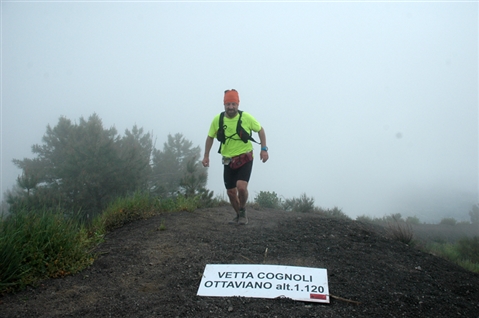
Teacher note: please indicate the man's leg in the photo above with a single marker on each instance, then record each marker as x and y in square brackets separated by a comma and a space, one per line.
[231, 191]
[242, 187]
[242, 198]
[236, 182]
[234, 200]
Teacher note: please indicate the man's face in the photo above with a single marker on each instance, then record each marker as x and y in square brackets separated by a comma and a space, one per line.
[231, 109]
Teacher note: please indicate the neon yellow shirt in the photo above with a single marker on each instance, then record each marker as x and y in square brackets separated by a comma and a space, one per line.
[234, 146]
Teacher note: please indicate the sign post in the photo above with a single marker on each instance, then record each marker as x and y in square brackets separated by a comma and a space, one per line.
[265, 281]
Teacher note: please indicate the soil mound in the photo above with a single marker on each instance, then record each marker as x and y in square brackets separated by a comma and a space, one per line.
[145, 271]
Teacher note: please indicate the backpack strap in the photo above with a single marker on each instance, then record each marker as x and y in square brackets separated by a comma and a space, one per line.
[240, 131]
[221, 135]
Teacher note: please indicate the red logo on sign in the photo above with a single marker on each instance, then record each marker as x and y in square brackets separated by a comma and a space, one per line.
[317, 296]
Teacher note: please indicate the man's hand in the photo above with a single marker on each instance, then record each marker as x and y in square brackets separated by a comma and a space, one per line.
[264, 156]
[206, 158]
[206, 162]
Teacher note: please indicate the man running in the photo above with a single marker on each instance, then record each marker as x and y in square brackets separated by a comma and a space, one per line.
[237, 151]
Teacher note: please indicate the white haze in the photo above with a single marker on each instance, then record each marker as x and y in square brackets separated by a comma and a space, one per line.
[368, 106]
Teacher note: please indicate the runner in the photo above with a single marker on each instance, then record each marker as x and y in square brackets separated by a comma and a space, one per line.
[237, 150]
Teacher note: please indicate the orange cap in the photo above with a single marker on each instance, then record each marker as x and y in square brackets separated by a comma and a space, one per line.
[231, 96]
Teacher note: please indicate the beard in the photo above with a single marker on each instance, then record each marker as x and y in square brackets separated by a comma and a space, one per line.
[231, 112]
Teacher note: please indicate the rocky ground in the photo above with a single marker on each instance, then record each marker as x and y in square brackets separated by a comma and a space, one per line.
[154, 267]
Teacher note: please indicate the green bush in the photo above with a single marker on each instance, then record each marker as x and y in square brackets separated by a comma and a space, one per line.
[396, 217]
[336, 213]
[38, 245]
[42, 244]
[206, 199]
[387, 219]
[463, 253]
[166, 204]
[413, 220]
[444, 250]
[364, 218]
[266, 199]
[448, 221]
[301, 204]
[468, 249]
[183, 203]
[141, 205]
[124, 210]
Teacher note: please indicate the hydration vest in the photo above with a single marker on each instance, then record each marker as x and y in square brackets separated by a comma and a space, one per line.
[240, 131]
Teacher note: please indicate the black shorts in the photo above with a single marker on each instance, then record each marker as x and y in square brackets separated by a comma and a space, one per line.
[231, 176]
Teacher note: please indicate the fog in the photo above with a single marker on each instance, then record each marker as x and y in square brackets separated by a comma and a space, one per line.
[370, 107]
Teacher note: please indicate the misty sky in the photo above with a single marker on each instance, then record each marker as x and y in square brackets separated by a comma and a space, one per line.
[370, 107]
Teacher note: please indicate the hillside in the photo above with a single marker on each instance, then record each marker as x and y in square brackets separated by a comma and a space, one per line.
[145, 271]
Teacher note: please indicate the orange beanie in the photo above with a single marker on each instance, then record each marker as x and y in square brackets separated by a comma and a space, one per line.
[231, 96]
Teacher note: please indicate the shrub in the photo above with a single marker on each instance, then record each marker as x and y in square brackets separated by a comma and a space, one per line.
[206, 199]
[124, 210]
[393, 218]
[380, 220]
[468, 249]
[35, 245]
[444, 250]
[301, 204]
[184, 203]
[364, 218]
[455, 253]
[336, 213]
[448, 221]
[413, 220]
[38, 245]
[166, 204]
[400, 230]
[266, 199]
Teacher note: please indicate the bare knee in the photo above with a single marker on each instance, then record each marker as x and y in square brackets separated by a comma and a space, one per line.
[242, 187]
[232, 193]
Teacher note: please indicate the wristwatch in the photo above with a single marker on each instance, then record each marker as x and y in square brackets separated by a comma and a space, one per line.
[264, 148]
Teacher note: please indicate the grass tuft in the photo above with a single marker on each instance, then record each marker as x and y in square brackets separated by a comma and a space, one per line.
[125, 210]
[38, 245]
[35, 245]
[400, 230]
[454, 252]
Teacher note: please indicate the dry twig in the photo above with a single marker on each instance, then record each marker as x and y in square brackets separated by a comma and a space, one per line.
[344, 299]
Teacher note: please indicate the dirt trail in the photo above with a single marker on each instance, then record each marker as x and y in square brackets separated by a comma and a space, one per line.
[146, 272]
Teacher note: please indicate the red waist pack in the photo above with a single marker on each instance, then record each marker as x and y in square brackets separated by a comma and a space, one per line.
[240, 160]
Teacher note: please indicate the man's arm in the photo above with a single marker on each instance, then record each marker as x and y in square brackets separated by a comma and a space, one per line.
[262, 137]
[208, 145]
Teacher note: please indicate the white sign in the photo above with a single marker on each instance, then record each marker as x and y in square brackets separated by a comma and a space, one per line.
[265, 281]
